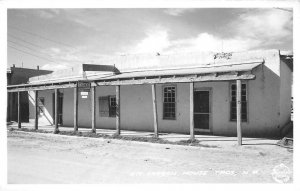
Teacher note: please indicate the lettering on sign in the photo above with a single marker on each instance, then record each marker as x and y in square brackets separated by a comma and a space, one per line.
[84, 85]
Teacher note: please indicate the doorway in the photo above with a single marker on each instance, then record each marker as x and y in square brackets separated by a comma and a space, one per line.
[202, 111]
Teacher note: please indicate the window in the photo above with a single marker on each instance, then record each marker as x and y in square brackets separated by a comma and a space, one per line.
[233, 103]
[41, 104]
[112, 106]
[169, 104]
[107, 106]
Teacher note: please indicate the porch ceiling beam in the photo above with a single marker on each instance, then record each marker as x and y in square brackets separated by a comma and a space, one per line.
[40, 87]
[202, 78]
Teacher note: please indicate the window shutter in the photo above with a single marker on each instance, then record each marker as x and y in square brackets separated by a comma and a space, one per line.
[104, 106]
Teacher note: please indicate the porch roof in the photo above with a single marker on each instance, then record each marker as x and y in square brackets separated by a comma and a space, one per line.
[209, 72]
[203, 69]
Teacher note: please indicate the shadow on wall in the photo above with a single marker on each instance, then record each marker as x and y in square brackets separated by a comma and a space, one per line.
[45, 114]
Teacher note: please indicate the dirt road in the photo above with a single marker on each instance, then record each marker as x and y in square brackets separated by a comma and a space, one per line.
[48, 158]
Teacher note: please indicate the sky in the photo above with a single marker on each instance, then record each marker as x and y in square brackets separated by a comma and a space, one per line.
[60, 38]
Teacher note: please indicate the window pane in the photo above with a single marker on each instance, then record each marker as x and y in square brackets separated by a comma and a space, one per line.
[243, 91]
[244, 98]
[233, 99]
[169, 103]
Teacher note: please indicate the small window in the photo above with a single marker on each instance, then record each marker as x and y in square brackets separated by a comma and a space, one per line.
[41, 104]
[233, 103]
[169, 103]
[107, 106]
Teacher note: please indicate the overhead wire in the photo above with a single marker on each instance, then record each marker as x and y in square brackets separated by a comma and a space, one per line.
[25, 52]
[24, 41]
[19, 44]
[32, 44]
[40, 36]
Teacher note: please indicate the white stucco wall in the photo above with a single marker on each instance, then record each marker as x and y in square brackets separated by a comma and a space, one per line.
[285, 93]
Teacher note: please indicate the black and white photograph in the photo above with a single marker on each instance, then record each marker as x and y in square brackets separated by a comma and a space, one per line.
[157, 94]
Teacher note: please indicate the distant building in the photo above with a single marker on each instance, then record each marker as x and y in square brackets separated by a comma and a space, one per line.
[180, 93]
[17, 76]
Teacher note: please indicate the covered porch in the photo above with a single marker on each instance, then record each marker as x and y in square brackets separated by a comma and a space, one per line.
[213, 73]
[208, 141]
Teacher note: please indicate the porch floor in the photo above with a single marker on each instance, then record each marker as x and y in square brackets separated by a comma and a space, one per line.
[210, 140]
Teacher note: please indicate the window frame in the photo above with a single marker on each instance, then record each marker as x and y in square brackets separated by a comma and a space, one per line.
[247, 101]
[163, 101]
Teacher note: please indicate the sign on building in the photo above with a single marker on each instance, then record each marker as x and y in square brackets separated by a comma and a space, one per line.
[84, 89]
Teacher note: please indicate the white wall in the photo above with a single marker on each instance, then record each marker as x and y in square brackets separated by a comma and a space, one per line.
[285, 93]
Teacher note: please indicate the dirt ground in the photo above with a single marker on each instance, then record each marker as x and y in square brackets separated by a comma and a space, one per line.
[48, 158]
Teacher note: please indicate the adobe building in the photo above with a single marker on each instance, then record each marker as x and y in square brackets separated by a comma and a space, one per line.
[239, 93]
[17, 75]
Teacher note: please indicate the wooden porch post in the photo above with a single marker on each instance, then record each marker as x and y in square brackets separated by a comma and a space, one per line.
[11, 105]
[93, 92]
[19, 111]
[56, 130]
[36, 121]
[238, 111]
[118, 111]
[75, 109]
[8, 107]
[192, 136]
[154, 110]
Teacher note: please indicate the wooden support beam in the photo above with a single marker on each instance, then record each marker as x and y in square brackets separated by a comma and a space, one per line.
[93, 105]
[75, 109]
[185, 79]
[192, 136]
[16, 88]
[56, 130]
[19, 111]
[238, 111]
[154, 110]
[36, 121]
[118, 111]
